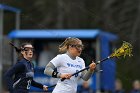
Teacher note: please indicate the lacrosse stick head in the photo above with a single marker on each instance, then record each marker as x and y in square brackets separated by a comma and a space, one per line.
[124, 50]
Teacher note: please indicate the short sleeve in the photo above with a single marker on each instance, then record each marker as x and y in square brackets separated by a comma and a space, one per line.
[83, 63]
[56, 61]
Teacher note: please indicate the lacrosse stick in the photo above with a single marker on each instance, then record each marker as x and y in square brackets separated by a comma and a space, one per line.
[124, 50]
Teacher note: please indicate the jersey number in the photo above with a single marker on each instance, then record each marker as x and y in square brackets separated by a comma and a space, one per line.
[76, 75]
[29, 83]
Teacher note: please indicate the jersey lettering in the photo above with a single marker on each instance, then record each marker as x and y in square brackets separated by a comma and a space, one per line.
[73, 65]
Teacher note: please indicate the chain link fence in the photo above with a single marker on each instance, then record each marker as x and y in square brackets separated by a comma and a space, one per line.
[6, 58]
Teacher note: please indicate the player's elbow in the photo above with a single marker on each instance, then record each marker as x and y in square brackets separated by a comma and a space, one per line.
[48, 71]
[85, 79]
[45, 72]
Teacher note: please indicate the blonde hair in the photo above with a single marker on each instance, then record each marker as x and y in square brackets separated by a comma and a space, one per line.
[68, 41]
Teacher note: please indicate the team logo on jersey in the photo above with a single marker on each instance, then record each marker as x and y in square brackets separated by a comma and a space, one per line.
[73, 65]
[79, 61]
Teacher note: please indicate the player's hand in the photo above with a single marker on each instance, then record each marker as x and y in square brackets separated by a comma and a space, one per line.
[66, 76]
[45, 88]
[92, 66]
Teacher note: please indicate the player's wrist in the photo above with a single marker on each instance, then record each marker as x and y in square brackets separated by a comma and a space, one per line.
[91, 70]
[45, 87]
[59, 75]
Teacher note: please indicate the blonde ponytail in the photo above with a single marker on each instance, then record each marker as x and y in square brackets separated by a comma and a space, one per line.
[63, 46]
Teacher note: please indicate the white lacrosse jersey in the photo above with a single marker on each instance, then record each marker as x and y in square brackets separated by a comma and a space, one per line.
[65, 64]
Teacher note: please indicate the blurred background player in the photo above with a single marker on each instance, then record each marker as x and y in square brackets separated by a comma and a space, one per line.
[119, 86]
[23, 72]
[136, 87]
[85, 88]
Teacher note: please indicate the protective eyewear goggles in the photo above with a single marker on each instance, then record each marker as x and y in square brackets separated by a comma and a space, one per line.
[28, 49]
[78, 46]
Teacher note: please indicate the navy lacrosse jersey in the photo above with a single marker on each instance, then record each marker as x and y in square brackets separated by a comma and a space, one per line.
[19, 78]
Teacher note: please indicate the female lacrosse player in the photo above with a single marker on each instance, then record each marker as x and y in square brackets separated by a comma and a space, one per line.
[67, 64]
[23, 72]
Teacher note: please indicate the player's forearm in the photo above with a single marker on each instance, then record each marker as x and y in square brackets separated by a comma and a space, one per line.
[36, 84]
[86, 74]
[49, 70]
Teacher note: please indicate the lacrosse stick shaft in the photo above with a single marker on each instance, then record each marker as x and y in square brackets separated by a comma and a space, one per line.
[72, 75]
[75, 74]
[86, 68]
[98, 62]
[51, 86]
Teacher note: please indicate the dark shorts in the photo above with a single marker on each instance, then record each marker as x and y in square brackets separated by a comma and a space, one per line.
[20, 91]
